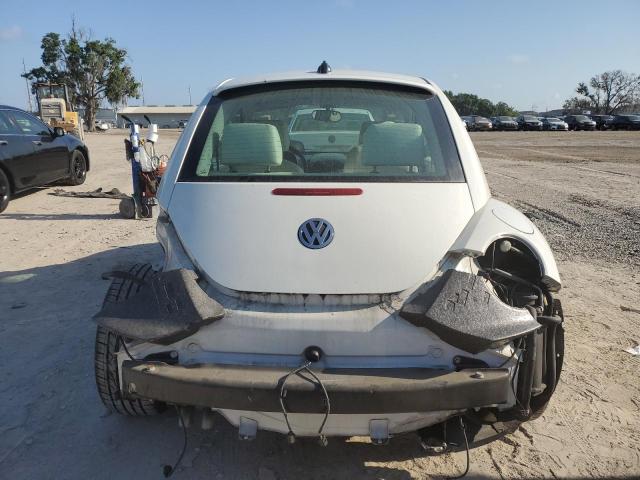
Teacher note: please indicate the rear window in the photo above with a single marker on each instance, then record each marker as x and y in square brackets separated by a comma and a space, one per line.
[6, 126]
[323, 131]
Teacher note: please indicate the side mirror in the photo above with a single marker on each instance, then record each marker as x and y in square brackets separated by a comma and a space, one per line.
[58, 132]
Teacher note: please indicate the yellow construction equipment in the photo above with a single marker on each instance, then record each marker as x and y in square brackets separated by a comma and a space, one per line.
[56, 110]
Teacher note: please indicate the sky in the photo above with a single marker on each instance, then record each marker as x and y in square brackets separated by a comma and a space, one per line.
[529, 54]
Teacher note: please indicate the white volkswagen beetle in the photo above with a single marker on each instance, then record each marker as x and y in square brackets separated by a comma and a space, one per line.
[320, 291]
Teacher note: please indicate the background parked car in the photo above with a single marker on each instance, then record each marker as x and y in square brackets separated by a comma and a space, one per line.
[504, 123]
[478, 123]
[580, 122]
[529, 122]
[31, 154]
[624, 122]
[553, 123]
[601, 121]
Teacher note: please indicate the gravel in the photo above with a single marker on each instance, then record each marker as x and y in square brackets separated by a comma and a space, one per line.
[587, 208]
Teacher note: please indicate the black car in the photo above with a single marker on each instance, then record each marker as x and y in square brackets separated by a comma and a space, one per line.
[601, 121]
[624, 122]
[504, 123]
[32, 154]
[580, 122]
[529, 122]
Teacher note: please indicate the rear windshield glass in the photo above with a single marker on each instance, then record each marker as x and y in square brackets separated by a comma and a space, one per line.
[323, 131]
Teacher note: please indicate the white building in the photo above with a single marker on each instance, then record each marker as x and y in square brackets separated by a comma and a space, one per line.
[166, 116]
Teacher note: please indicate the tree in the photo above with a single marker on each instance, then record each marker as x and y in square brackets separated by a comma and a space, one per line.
[607, 93]
[470, 104]
[577, 105]
[93, 70]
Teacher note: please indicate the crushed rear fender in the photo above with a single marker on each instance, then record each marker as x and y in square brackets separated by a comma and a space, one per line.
[497, 220]
[169, 307]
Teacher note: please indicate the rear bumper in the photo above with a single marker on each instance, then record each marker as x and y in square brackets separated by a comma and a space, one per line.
[354, 391]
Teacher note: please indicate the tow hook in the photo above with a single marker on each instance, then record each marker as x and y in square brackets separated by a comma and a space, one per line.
[433, 446]
[432, 439]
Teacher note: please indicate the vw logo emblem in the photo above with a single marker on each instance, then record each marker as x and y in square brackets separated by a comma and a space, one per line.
[315, 233]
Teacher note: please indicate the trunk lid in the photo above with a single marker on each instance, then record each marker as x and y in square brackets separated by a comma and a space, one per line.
[387, 239]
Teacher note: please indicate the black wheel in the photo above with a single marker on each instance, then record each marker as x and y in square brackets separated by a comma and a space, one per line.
[146, 210]
[78, 168]
[109, 343]
[5, 191]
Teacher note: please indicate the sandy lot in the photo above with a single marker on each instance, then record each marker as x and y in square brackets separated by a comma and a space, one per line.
[581, 188]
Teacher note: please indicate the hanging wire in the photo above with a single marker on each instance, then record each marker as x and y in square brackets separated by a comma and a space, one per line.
[283, 394]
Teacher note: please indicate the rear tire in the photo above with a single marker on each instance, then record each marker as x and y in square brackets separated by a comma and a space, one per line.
[109, 343]
[5, 191]
[78, 168]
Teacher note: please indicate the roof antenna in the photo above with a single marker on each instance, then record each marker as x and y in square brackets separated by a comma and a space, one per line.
[324, 67]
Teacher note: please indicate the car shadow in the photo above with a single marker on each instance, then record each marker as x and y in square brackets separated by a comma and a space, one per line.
[53, 424]
[31, 190]
[59, 216]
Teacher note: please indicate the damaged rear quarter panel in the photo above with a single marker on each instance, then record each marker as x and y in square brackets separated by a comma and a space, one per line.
[497, 220]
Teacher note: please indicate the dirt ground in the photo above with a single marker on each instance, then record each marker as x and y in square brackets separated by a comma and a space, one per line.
[581, 188]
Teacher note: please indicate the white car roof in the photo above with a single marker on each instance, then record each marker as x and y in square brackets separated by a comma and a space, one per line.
[353, 75]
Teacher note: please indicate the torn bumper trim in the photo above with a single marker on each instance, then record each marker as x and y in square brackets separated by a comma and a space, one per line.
[169, 306]
[351, 391]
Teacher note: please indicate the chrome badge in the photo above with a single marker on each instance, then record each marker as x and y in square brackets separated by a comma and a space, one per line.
[315, 233]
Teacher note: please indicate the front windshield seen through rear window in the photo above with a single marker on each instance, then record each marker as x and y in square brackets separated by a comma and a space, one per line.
[343, 121]
[323, 131]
